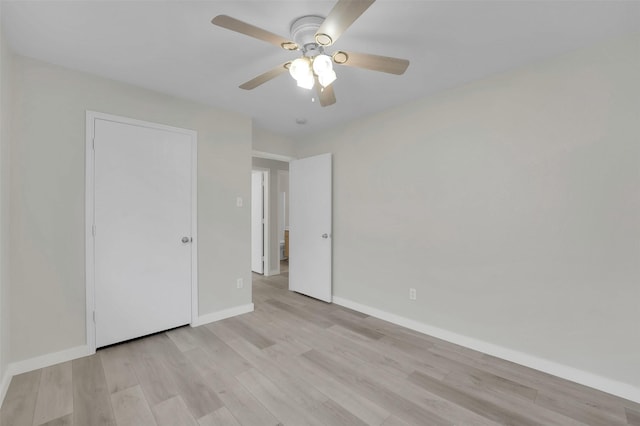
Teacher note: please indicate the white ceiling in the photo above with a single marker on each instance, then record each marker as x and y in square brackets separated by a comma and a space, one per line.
[171, 46]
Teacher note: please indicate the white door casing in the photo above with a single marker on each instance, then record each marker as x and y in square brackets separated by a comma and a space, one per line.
[141, 245]
[310, 227]
[257, 221]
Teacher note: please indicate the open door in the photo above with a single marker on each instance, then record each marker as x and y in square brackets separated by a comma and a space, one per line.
[310, 227]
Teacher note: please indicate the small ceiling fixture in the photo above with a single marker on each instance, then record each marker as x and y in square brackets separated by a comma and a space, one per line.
[310, 35]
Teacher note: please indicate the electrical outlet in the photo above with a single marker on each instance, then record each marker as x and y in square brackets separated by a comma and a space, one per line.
[239, 202]
[239, 283]
[412, 294]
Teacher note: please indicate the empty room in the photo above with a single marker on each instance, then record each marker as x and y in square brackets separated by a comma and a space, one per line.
[335, 212]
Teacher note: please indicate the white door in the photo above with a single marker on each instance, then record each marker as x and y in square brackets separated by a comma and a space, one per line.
[310, 226]
[257, 222]
[143, 241]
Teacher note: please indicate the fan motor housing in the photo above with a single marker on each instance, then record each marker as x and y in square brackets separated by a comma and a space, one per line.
[303, 31]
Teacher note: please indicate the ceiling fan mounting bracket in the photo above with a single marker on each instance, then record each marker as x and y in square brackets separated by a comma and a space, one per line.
[303, 32]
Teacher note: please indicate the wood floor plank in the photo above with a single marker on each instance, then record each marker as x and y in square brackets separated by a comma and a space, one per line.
[131, 409]
[362, 408]
[55, 394]
[299, 312]
[91, 400]
[394, 421]
[198, 397]
[222, 331]
[299, 392]
[433, 403]
[332, 413]
[183, 338]
[151, 371]
[240, 402]
[548, 384]
[581, 412]
[61, 421]
[387, 399]
[225, 357]
[633, 416]
[20, 401]
[274, 399]
[248, 333]
[344, 320]
[480, 378]
[220, 417]
[513, 402]
[473, 403]
[118, 368]
[173, 412]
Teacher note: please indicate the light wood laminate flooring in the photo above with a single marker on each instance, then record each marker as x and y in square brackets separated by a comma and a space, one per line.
[297, 361]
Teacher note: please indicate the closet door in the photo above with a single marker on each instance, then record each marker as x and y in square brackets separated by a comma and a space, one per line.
[143, 241]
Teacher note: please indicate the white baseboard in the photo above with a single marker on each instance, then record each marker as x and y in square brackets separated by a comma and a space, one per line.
[48, 360]
[42, 361]
[273, 272]
[220, 315]
[614, 387]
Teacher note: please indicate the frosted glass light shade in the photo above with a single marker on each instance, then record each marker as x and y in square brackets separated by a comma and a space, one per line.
[299, 68]
[322, 64]
[327, 77]
[307, 81]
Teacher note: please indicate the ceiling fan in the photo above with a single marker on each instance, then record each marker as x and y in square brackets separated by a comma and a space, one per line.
[311, 35]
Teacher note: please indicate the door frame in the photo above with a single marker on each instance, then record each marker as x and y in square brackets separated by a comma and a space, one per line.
[266, 228]
[91, 116]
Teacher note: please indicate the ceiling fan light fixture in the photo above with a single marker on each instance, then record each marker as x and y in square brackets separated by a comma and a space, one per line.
[322, 64]
[300, 68]
[323, 39]
[306, 82]
[327, 78]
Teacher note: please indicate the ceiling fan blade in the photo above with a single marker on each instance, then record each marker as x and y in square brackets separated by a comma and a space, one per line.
[263, 78]
[343, 14]
[238, 26]
[371, 62]
[326, 95]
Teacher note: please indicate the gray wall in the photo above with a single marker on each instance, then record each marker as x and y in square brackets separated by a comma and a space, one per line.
[511, 204]
[273, 167]
[48, 203]
[5, 86]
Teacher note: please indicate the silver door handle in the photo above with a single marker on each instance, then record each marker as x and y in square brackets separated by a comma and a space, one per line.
[186, 240]
[325, 236]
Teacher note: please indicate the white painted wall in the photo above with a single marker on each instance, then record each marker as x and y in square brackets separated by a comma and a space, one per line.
[511, 204]
[4, 200]
[273, 143]
[273, 166]
[5, 87]
[47, 204]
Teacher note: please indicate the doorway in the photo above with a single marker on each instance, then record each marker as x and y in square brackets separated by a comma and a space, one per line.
[275, 199]
[141, 234]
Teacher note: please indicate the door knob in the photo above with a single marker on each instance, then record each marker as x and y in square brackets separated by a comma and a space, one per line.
[186, 240]
[325, 236]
